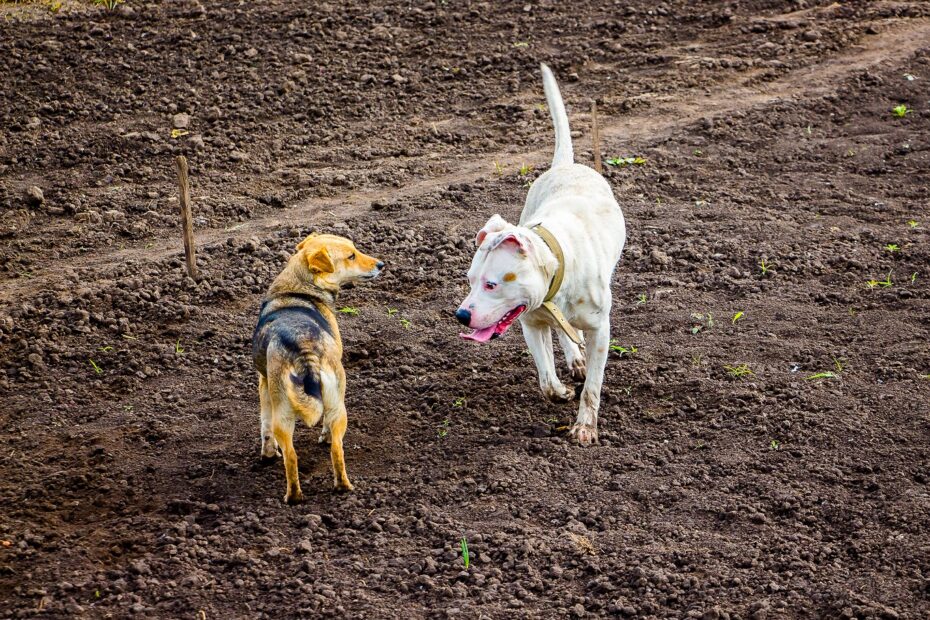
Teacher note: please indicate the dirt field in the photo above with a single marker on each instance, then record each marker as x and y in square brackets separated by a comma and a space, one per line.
[130, 482]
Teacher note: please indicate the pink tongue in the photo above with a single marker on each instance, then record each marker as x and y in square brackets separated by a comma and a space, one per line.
[480, 335]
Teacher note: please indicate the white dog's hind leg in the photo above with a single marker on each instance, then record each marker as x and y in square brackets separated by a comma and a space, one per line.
[539, 342]
[585, 428]
[574, 356]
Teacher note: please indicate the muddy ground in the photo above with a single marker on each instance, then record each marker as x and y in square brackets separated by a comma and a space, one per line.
[130, 482]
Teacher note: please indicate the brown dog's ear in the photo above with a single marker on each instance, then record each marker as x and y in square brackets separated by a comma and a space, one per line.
[301, 245]
[495, 224]
[320, 262]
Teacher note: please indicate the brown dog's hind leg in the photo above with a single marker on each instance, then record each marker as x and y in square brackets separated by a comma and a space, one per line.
[284, 434]
[269, 447]
[337, 429]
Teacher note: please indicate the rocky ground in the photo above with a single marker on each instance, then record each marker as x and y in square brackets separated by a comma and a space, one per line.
[765, 449]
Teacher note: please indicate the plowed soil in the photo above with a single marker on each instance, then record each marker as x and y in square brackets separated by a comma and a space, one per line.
[768, 464]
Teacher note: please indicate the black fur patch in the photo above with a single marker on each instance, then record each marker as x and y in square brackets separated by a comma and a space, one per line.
[288, 327]
[310, 383]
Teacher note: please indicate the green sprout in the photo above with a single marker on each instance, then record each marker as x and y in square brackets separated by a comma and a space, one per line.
[459, 402]
[829, 374]
[406, 323]
[392, 311]
[742, 370]
[737, 317]
[518, 44]
[97, 369]
[348, 310]
[901, 110]
[808, 130]
[109, 4]
[178, 349]
[695, 360]
[775, 445]
[525, 169]
[913, 277]
[465, 556]
[105, 349]
[892, 247]
[499, 169]
[621, 350]
[443, 428]
[625, 161]
[641, 299]
[700, 322]
[839, 363]
[913, 223]
[883, 283]
[764, 266]
[697, 152]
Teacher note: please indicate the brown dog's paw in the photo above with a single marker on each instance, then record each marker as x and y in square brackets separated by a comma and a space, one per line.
[294, 498]
[579, 370]
[584, 434]
[343, 487]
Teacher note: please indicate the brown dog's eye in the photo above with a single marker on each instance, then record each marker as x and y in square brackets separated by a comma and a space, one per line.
[352, 256]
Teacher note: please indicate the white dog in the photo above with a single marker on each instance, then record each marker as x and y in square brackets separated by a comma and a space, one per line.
[553, 271]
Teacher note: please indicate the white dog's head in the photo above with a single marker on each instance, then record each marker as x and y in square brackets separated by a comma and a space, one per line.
[508, 274]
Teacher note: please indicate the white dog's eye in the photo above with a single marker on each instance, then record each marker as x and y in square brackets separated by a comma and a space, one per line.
[490, 286]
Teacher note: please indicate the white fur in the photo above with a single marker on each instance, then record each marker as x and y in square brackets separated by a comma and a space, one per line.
[577, 206]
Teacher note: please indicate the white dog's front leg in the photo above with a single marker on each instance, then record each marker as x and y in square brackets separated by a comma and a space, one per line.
[585, 428]
[539, 341]
[574, 356]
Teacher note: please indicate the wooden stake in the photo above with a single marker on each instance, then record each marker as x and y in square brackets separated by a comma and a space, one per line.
[596, 137]
[186, 224]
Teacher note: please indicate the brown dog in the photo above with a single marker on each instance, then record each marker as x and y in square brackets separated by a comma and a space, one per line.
[297, 351]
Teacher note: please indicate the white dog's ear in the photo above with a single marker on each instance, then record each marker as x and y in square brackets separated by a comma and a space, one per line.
[495, 224]
[512, 239]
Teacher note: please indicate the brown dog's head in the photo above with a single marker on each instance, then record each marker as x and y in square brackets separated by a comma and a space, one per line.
[334, 261]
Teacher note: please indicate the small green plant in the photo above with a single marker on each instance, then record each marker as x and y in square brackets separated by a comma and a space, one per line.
[177, 133]
[620, 162]
[178, 349]
[499, 169]
[105, 349]
[883, 283]
[466, 558]
[913, 277]
[621, 350]
[838, 362]
[520, 44]
[740, 371]
[775, 445]
[901, 110]
[641, 299]
[808, 130]
[737, 317]
[348, 310]
[392, 311]
[892, 247]
[764, 266]
[696, 360]
[700, 322]
[829, 374]
[628, 390]
[108, 4]
[406, 323]
[443, 428]
[913, 223]
[697, 152]
[525, 169]
[97, 369]
[459, 402]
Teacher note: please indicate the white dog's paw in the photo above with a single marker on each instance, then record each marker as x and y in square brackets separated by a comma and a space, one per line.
[324, 436]
[558, 393]
[578, 369]
[585, 434]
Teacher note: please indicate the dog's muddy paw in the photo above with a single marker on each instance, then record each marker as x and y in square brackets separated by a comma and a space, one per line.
[558, 394]
[324, 437]
[584, 434]
[579, 370]
[294, 498]
[340, 487]
[268, 460]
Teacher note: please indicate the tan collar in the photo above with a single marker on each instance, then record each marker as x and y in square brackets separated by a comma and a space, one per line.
[555, 284]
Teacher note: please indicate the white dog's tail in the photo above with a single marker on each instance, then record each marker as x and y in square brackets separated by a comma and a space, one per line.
[563, 137]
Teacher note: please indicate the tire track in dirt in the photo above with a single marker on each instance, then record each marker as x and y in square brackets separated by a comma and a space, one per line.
[668, 114]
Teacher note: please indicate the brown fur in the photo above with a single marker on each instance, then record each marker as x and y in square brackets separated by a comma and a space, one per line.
[305, 349]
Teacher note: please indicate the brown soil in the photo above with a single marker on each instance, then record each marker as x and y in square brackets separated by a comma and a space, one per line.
[135, 488]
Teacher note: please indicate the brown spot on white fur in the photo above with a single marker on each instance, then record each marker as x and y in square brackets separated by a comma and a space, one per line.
[510, 277]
